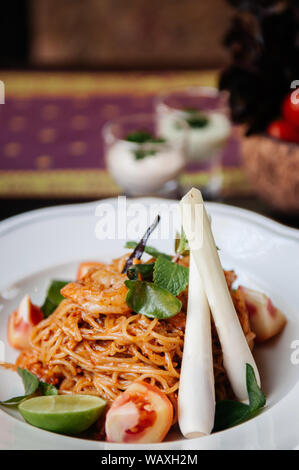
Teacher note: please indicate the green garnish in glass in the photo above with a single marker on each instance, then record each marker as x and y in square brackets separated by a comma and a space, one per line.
[144, 137]
[197, 122]
[195, 118]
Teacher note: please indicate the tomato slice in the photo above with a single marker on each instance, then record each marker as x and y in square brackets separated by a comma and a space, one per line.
[265, 319]
[284, 130]
[141, 414]
[290, 108]
[21, 322]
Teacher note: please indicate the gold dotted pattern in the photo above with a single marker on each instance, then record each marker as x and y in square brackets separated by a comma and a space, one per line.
[43, 162]
[79, 122]
[77, 148]
[50, 112]
[17, 123]
[110, 111]
[12, 149]
[47, 135]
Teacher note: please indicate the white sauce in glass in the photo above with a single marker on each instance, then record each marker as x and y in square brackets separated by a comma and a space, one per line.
[145, 175]
[202, 142]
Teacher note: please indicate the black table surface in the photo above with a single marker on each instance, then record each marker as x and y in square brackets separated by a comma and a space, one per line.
[10, 207]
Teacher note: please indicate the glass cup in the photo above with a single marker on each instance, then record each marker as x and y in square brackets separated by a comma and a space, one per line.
[140, 161]
[207, 128]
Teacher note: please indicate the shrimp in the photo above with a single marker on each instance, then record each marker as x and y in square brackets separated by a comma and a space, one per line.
[100, 291]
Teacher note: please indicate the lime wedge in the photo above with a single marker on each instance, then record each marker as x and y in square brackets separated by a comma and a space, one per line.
[68, 414]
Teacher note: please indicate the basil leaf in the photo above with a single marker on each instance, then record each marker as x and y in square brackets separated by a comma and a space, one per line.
[47, 389]
[53, 297]
[170, 276]
[181, 244]
[230, 413]
[145, 270]
[151, 300]
[257, 398]
[14, 401]
[30, 381]
[31, 386]
[150, 250]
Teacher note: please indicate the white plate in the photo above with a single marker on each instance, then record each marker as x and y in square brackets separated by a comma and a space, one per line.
[48, 243]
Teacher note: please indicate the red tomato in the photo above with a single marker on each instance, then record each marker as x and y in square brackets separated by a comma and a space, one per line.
[283, 130]
[85, 267]
[141, 414]
[265, 319]
[290, 108]
[21, 322]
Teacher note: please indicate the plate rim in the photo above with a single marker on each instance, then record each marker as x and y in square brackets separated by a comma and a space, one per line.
[221, 208]
[37, 215]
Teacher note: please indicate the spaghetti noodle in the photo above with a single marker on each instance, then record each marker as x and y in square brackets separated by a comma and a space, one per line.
[83, 351]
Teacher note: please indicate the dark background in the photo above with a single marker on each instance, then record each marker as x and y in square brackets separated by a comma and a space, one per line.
[14, 34]
[113, 34]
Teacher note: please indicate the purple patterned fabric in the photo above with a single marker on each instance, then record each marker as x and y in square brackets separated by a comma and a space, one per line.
[65, 133]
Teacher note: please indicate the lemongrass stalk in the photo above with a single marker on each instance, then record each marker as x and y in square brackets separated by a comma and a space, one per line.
[196, 403]
[236, 352]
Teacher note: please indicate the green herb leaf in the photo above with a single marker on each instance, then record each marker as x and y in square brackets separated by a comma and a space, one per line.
[181, 244]
[197, 122]
[170, 276]
[139, 137]
[140, 154]
[150, 250]
[14, 401]
[151, 300]
[53, 297]
[230, 413]
[47, 389]
[196, 118]
[257, 398]
[143, 137]
[31, 385]
[145, 270]
[30, 381]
